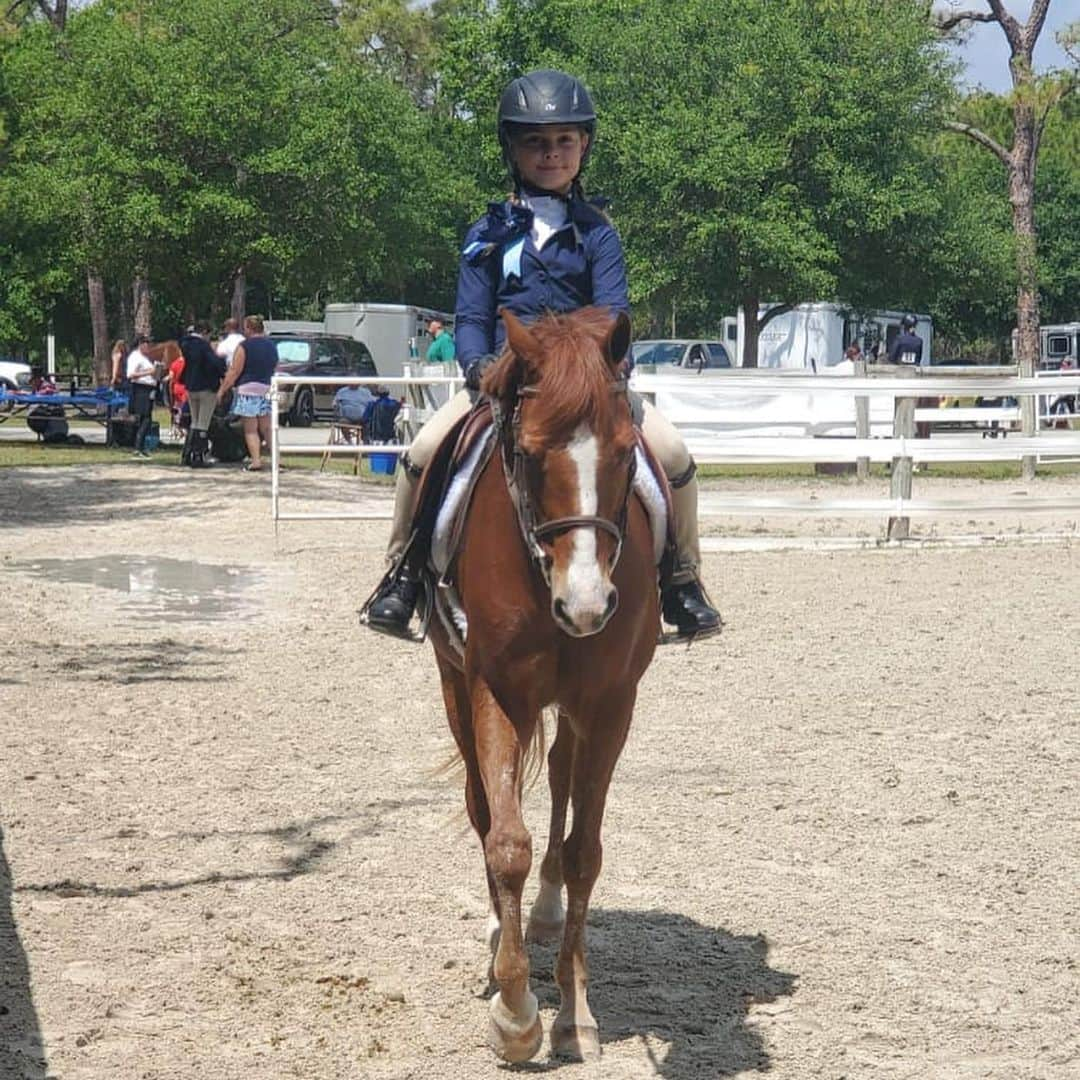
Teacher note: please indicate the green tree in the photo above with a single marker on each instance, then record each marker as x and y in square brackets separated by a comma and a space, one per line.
[1032, 101]
[220, 149]
[1058, 216]
[755, 150]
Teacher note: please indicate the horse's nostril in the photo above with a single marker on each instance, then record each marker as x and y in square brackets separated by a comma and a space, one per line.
[612, 603]
[559, 607]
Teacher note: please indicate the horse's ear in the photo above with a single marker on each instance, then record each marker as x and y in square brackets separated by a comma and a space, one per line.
[521, 339]
[618, 339]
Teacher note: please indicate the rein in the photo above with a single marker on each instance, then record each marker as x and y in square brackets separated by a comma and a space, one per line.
[532, 530]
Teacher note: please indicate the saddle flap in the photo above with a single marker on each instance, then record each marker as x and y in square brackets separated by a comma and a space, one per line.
[663, 532]
[436, 477]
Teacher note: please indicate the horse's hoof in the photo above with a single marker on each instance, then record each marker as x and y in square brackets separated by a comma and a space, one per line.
[541, 931]
[575, 1041]
[514, 1039]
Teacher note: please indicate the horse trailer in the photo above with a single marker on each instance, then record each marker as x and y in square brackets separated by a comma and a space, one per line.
[814, 336]
[395, 334]
[1059, 342]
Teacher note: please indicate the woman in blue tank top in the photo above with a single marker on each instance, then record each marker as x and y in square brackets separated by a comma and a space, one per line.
[252, 368]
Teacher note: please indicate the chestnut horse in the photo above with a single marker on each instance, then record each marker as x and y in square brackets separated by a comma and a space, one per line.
[163, 352]
[556, 575]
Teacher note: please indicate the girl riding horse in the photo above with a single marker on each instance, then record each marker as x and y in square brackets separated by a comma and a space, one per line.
[547, 248]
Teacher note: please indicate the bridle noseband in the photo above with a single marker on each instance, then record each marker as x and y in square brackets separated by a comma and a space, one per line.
[533, 531]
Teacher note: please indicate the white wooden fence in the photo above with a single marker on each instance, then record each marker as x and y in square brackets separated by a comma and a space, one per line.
[722, 435]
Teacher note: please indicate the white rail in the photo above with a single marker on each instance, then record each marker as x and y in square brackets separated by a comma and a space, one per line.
[277, 448]
[755, 440]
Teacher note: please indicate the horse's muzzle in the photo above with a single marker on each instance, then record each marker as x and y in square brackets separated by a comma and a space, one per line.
[584, 621]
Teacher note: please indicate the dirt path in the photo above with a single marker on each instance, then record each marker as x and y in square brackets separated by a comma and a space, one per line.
[842, 841]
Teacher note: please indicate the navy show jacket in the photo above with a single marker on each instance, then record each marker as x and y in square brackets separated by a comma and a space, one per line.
[906, 348]
[581, 264]
[203, 368]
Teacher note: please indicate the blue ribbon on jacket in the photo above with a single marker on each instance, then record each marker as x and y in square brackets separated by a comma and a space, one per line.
[508, 225]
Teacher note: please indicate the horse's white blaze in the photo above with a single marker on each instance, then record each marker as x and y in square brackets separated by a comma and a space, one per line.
[586, 591]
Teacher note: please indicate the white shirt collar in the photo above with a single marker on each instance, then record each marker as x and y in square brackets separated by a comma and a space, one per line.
[549, 216]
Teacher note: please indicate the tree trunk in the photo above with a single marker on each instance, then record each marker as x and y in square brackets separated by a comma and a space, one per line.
[127, 325]
[99, 323]
[751, 329]
[1022, 200]
[239, 295]
[140, 296]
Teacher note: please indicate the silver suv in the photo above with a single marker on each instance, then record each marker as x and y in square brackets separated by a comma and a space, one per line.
[682, 353]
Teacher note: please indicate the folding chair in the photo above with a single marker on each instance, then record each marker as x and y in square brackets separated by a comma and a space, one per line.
[345, 433]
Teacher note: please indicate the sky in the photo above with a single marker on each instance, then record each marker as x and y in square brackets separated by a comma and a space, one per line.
[986, 52]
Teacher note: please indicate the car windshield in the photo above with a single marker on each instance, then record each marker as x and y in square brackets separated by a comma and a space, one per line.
[657, 352]
[293, 352]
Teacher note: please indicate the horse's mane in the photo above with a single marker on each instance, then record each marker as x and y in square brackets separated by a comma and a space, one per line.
[574, 379]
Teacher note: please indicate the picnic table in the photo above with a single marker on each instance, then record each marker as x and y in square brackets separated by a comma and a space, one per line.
[97, 405]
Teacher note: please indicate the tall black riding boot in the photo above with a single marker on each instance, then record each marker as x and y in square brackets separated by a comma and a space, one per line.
[392, 607]
[199, 443]
[687, 608]
[185, 454]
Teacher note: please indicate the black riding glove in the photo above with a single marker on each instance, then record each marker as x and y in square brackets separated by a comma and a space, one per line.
[475, 371]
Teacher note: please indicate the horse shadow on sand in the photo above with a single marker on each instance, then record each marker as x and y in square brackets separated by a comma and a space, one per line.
[22, 1056]
[657, 975]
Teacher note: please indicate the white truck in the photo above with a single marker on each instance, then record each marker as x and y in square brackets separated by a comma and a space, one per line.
[395, 334]
[814, 336]
[14, 375]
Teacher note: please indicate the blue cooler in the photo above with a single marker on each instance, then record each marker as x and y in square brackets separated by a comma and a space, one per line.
[384, 463]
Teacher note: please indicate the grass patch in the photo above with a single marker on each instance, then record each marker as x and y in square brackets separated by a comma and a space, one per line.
[37, 454]
[338, 466]
[19, 455]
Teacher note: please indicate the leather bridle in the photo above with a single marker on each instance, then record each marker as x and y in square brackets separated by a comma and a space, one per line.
[515, 463]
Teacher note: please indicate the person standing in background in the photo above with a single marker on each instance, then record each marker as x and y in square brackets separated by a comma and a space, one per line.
[907, 346]
[173, 384]
[442, 349]
[231, 338]
[203, 372]
[118, 370]
[253, 366]
[142, 375]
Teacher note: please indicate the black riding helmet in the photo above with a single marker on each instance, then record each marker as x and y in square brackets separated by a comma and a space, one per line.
[544, 97]
[909, 322]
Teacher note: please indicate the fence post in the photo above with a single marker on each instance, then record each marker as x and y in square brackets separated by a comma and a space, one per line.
[1029, 420]
[900, 480]
[862, 421]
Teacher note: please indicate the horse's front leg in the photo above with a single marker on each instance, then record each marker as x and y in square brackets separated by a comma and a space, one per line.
[459, 714]
[547, 915]
[515, 1030]
[602, 734]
